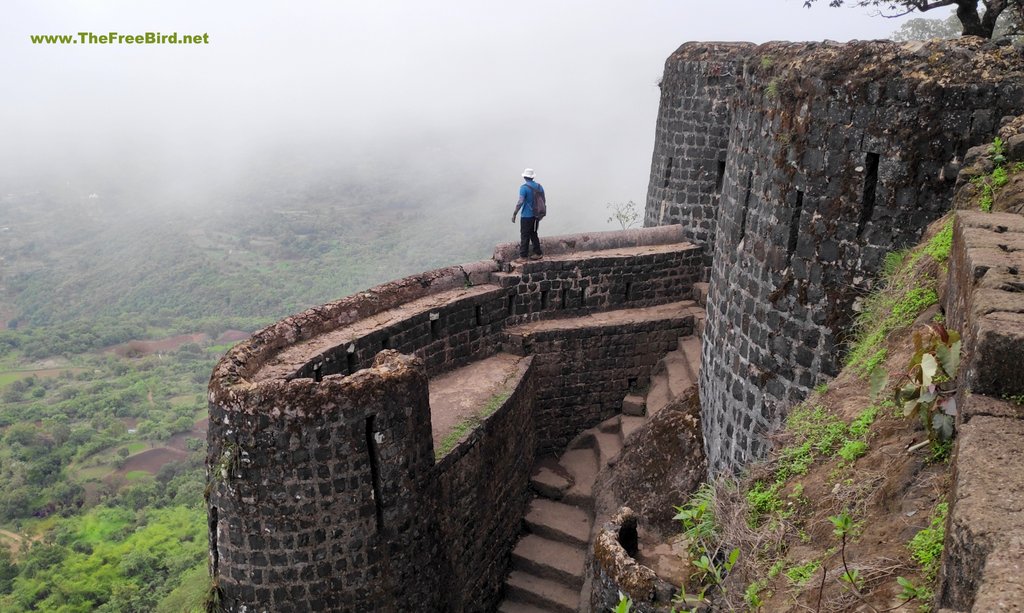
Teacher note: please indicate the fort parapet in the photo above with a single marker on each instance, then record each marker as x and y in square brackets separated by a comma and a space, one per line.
[836, 154]
[788, 171]
[328, 490]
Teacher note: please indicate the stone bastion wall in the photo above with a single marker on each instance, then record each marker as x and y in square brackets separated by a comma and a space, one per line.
[836, 154]
[324, 490]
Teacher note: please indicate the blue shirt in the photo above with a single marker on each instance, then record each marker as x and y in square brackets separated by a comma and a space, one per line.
[526, 197]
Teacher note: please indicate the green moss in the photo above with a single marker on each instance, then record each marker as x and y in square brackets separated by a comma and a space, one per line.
[940, 244]
[450, 440]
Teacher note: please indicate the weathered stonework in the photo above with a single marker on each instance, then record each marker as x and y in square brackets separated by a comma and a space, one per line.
[692, 138]
[583, 373]
[616, 571]
[324, 491]
[837, 154]
[982, 558]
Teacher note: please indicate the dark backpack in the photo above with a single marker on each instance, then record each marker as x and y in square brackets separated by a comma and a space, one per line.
[540, 205]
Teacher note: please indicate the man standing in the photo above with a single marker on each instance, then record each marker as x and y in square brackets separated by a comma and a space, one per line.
[532, 201]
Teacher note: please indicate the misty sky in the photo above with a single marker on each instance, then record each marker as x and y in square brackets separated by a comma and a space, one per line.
[468, 91]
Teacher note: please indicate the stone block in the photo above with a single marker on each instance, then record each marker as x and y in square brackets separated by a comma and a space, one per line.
[982, 564]
[634, 404]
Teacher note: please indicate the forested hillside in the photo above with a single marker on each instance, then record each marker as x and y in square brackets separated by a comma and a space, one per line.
[116, 308]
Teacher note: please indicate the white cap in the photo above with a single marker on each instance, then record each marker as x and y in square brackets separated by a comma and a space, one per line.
[528, 173]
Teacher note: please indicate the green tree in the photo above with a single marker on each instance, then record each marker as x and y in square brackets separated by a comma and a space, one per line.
[8, 571]
[976, 17]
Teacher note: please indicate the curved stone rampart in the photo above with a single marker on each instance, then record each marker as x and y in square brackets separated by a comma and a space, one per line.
[324, 493]
[481, 491]
[313, 485]
[692, 137]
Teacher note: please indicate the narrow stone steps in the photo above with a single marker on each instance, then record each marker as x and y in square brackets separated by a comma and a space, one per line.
[609, 445]
[512, 606]
[610, 425]
[629, 425]
[559, 522]
[527, 589]
[549, 479]
[659, 395]
[582, 465]
[548, 562]
[678, 371]
[634, 404]
[551, 560]
[690, 347]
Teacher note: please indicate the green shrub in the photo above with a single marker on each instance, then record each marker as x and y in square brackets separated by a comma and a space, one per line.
[926, 546]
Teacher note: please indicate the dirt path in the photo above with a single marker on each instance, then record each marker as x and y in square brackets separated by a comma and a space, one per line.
[16, 540]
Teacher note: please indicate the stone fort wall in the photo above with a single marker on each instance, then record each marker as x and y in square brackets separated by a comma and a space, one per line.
[836, 154]
[691, 139]
[324, 490]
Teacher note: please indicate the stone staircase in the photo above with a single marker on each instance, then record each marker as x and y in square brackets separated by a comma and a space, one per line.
[547, 570]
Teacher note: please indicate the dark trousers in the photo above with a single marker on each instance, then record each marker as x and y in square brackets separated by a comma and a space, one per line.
[527, 234]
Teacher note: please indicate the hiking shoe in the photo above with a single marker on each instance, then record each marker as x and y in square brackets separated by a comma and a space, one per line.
[537, 256]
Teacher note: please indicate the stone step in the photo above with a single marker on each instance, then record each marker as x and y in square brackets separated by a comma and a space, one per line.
[551, 560]
[609, 426]
[608, 446]
[523, 587]
[630, 424]
[581, 464]
[559, 522]
[634, 404]
[690, 347]
[659, 395]
[680, 379]
[700, 294]
[583, 440]
[549, 479]
[512, 606]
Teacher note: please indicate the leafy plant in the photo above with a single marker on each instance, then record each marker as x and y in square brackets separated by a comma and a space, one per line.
[625, 604]
[706, 554]
[752, 595]
[926, 546]
[800, 574]
[911, 591]
[708, 571]
[930, 381]
[851, 450]
[998, 151]
[698, 519]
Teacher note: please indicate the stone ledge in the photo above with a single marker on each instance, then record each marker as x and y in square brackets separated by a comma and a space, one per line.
[984, 557]
[595, 241]
[987, 299]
